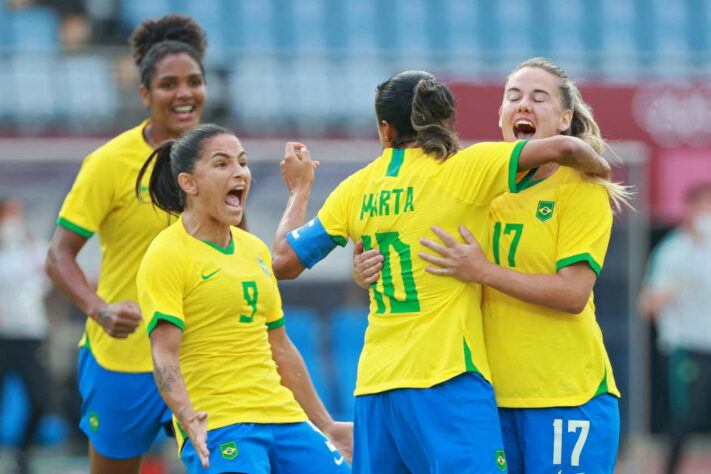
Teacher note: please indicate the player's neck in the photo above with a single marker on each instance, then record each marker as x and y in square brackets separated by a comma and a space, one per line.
[207, 229]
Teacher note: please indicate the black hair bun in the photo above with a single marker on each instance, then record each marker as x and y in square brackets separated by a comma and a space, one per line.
[170, 27]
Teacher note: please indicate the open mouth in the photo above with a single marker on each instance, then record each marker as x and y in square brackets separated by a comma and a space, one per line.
[184, 109]
[235, 198]
[524, 129]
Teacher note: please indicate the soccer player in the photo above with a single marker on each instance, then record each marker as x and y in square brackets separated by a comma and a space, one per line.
[424, 402]
[216, 324]
[552, 376]
[122, 410]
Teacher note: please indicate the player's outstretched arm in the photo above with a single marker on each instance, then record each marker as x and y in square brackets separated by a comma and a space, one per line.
[165, 348]
[118, 319]
[297, 169]
[566, 151]
[568, 290]
[295, 376]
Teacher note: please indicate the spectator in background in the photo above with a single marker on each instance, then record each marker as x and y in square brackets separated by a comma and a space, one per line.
[23, 320]
[677, 295]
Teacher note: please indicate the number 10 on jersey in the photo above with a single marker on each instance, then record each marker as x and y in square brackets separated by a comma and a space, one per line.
[392, 247]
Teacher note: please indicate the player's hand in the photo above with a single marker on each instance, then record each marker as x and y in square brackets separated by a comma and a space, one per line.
[196, 429]
[340, 433]
[463, 261]
[366, 265]
[120, 319]
[297, 168]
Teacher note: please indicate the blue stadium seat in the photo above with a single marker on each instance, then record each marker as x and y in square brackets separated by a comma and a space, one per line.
[89, 89]
[253, 91]
[348, 332]
[303, 326]
[34, 88]
[135, 11]
[14, 410]
[257, 26]
[211, 15]
[34, 29]
[361, 25]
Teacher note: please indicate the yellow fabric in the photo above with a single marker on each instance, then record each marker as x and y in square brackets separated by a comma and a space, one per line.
[103, 200]
[418, 322]
[223, 302]
[540, 357]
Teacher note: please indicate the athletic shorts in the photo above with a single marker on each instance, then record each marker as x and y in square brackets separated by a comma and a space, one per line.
[450, 428]
[121, 413]
[563, 439]
[263, 448]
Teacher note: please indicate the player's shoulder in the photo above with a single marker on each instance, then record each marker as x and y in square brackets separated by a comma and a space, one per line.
[170, 242]
[574, 184]
[129, 142]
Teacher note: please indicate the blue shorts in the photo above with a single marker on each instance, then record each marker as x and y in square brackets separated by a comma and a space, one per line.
[262, 448]
[563, 439]
[121, 413]
[450, 428]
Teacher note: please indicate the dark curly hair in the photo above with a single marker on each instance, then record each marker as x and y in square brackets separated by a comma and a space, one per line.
[152, 40]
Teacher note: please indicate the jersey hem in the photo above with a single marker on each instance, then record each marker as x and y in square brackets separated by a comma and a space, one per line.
[61, 221]
[417, 383]
[157, 316]
[552, 402]
[582, 257]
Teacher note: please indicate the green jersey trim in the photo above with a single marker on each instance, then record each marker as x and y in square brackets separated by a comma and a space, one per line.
[602, 389]
[398, 156]
[165, 317]
[468, 362]
[74, 228]
[513, 165]
[276, 324]
[227, 251]
[526, 182]
[582, 257]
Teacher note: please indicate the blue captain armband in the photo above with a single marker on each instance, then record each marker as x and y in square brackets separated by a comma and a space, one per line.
[311, 242]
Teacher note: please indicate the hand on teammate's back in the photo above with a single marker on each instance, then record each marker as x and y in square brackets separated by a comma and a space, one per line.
[119, 319]
[366, 265]
[464, 261]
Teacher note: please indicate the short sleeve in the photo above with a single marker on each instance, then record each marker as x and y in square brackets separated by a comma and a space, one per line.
[275, 315]
[161, 282]
[585, 223]
[333, 215]
[483, 171]
[89, 199]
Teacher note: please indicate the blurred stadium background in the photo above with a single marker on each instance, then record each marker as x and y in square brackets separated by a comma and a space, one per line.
[307, 70]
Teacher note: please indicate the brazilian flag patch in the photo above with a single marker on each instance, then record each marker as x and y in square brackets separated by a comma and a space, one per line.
[501, 459]
[545, 210]
[229, 450]
[93, 421]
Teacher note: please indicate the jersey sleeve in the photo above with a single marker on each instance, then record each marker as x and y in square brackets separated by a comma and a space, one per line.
[275, 314]
[585, 223]
[318, 237]
[483, 171]
[161, 282]
[90, 198]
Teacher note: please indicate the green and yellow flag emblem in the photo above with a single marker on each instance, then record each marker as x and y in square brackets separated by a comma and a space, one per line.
[545, 210]
[229, 450]
[93, 421]
[501, 459]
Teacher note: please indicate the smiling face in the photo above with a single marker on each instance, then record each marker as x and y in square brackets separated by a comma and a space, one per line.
[177, 95]
[532, 106]
[218, 185]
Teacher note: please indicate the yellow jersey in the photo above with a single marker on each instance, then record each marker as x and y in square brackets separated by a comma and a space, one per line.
[103, 200]
[541, 357]
[224, 301]
[422, 329]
